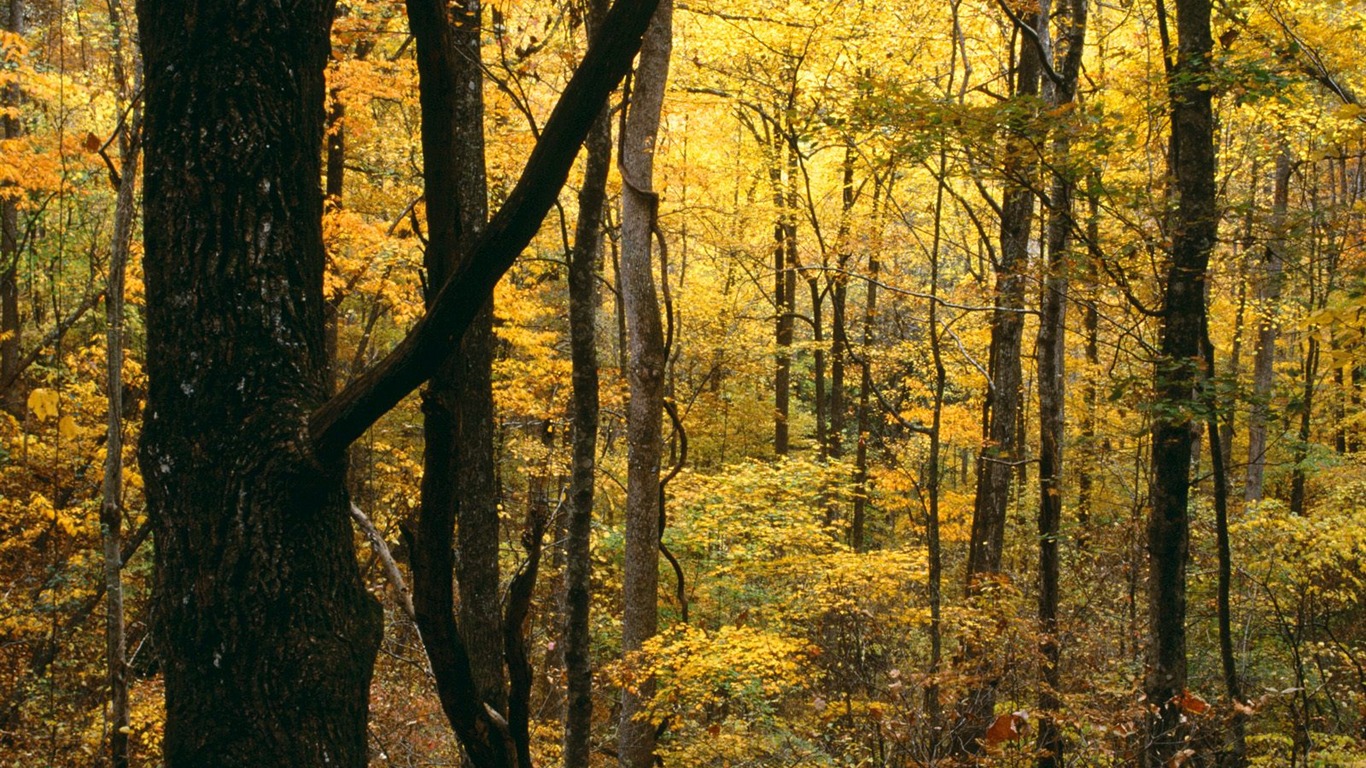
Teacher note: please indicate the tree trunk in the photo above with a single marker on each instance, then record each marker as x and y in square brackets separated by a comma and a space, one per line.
[457, 481]
[1052, 371]
[1263, 366]
[267, 634]
[818, 363]
[583, 306]
[645, 374]
[111, 506]
[784, 302]
[1193, 230]
[863, 419]
[1001, 446]
[11, 398]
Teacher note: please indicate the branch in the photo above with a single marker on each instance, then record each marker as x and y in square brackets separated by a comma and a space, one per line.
[381, 550]
[344, 418]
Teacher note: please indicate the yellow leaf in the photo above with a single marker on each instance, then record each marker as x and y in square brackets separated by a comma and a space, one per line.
[67, 428]
[43, 403]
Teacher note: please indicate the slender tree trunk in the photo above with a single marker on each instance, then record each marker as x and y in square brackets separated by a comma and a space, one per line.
[11, 327]
[839, 290]
[1090, 393]
[111, 506]
[583, 306]
[863, 418]
[645, 374]
[934, 550]
[1001, 447]
[1298, 473]
[1263, 367]
[267, 634]
[1237, 752]
[457, 483]
[784, 284]
[1052, 371]
[818, 363]
[1193, 229]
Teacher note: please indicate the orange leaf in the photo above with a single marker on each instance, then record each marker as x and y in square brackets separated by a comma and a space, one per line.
[1010, 727]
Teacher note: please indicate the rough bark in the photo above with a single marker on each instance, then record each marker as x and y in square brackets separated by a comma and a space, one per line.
[645, 375]
[583, 307]
[267, 634]
[1001, 446]
[1193, 228]
[863, 419]
[1264, 362]
[784, 301]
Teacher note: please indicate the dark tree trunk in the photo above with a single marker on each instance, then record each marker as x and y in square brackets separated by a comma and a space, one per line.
[784, 301]
[11, 398]
[863, 419]
[267, 634]
[457, 481]
[645, 374]
[583, 306]
[818, 363]
[1263, 366]
[1052, 370]
[1193, 229]
[1001, 447]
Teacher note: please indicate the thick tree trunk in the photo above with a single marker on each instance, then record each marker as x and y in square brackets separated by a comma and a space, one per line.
[111, 505]
[267, 634]
[1263, 366]
[583, 306]
[1193, 230]
[645, 374]
[1001, 447]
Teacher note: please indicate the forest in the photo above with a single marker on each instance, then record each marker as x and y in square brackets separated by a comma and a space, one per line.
[683, 383]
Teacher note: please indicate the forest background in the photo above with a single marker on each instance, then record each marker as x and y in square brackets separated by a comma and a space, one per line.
[913, 268]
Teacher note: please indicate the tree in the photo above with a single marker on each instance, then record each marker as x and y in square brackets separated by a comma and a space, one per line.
[645, 373]
[1193, 225]
[266, 633]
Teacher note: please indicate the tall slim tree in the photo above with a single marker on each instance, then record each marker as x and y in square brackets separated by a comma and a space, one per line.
[11, 399]
[1264, 362]
[1060, 89]
[1001, 445]
[1193, 226]
[583, 308]
[645, 374]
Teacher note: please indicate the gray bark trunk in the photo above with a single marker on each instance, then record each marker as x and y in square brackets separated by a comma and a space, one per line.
[645, 374]
[1263, 366]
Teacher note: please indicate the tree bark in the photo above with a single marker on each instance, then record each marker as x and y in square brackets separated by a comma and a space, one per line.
[1264, 363]
[1001, 446]
[111, 505]
[1052, 372]
[1193, 230]
[583, 306]
[11, 326]
[645, 374]
[467, 656]
[784, 300]
[267, 634]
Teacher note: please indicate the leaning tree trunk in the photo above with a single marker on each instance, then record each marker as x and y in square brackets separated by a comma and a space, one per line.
[645, 374]
[1193, 231]
[267, 634]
